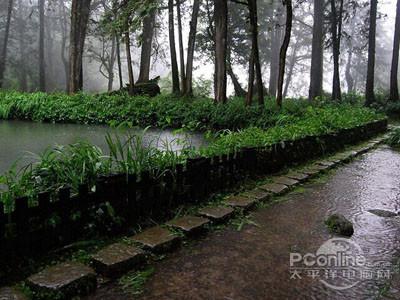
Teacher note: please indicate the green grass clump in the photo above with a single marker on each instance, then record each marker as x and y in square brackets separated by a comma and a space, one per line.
[394, 138]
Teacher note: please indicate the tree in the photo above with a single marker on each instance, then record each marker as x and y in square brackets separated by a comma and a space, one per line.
[276, 41]
[174, 62]
[221, 36]
[181, 50]
[188, 87]
[80, 11]
[42, 66]
[284, 48]
[369, 91]
[147, 45]
[336, 31]
[394, 89]
[317, 55]
[3, 57]
[254, 57]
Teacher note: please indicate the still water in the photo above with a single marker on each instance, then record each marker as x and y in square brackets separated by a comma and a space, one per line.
[19, 139]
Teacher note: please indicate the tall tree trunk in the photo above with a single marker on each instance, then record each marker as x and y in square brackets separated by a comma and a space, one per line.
[147, 46]
[121, 83]
[191, 48]
[292, 64]
[80, 12]
[285, 45]
[256, 53]
[21, 28]
[42, 66]
[317, 56]
[369, 89]
[64, 33]
[221, 36]
[336, 28]
[174, 62]
[394, 85]
[3, 56]
[129, 62]
[110, 65]
[349, 77]
[274, 65]
[239, 91]
[181, 50]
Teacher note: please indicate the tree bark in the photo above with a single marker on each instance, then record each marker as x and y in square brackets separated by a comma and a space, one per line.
[292, 64]
[121, 83]
[239, 91]
[147, 46]
[80, 11]
[369, 89]
[3, 57]
[64, 33]
[221, 36]
[285, 45]
[317, 56]
[349, 77]
[274, 65]
[255, 57]
[21, 28]
[42, 63]
[394, 85]
[174, 62]
[129, 62]
[181, 50]
[191, 47]
[336, 28]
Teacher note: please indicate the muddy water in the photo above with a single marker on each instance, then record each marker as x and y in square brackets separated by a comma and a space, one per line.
[254, 263]
[18, 139]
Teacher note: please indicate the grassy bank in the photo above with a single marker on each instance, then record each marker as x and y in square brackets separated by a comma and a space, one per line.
[162, 111]
[83, 163]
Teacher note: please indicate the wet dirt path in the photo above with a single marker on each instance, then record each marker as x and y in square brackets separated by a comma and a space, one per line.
[254, 263]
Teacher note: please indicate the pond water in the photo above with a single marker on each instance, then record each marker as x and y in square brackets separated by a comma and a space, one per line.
[19, 139]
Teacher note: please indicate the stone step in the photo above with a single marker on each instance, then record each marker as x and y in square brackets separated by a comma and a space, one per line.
[156, 239]
[9, 293]
[327, 163]
[216, 214]
[275, 188]
[189, 224]
[117, 259]
[301, 177]
[64, 281]
[241, 202]
[257, 194]
[289, 182]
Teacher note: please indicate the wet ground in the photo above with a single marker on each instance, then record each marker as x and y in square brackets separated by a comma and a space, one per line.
[254, 263]
[19, 139]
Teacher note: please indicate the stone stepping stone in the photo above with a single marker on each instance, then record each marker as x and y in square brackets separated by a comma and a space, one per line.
[189, 224]
[327, 163]
[217, 214]
[117, 259]
[275, 188]
[241, 202]
[257, 194]
[286, 181]
[301, 177]
[8, 293]
[383, 213]
[65, 280]
[156, 239]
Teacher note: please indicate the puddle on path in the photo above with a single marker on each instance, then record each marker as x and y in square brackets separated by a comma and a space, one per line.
[254, 263]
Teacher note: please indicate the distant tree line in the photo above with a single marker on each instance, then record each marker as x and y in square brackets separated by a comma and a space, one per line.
[249, 34]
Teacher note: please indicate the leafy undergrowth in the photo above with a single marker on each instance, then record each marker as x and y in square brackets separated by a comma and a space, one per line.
[394, 138]
[162, 111]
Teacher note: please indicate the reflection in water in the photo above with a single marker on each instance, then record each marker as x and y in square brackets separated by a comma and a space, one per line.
[18, 138]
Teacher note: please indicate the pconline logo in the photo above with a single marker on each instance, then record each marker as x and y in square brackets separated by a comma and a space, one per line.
[339, 264]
